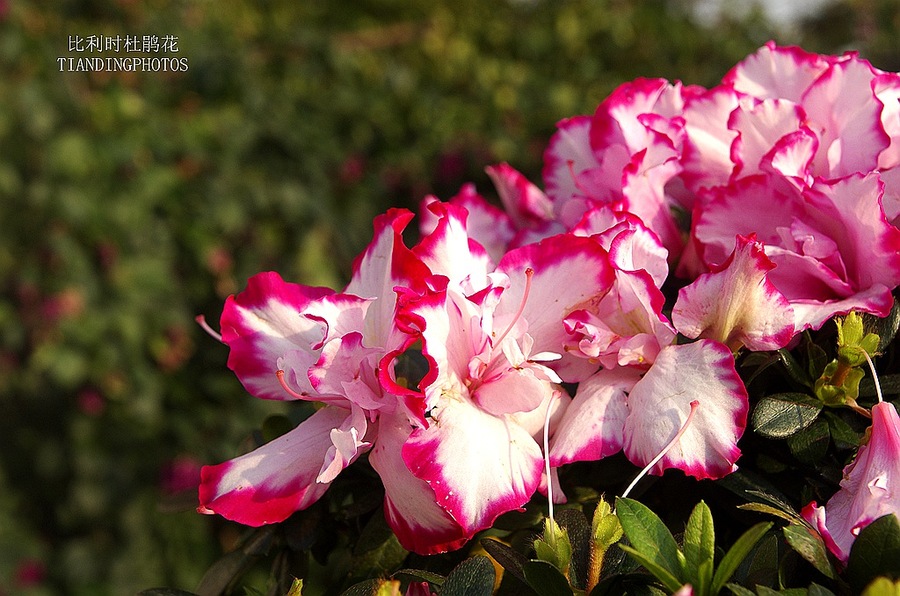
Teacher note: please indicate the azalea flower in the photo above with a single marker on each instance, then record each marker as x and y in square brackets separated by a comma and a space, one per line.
[870, 488]
[495, 371]
[289, 342]
[831, 245]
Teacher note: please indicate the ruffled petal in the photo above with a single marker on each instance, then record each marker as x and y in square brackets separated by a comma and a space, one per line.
[475, 481]
[263, 323]
[267, 485]
[774, 71]
[410, 506]
[736, 304]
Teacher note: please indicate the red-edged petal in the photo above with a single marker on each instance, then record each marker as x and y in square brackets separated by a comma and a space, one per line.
[269, 484]
[760, 125]
[410, 505]
[265, 322]
[736, 304]
[567, 156]
[774, 71]
[570, 273]
[660, 402]
[385, 264]
[846, 117]
[478, 465]
[593, 425]
[448, 250]
[526, 204]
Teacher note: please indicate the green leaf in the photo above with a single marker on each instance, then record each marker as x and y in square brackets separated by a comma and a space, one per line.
[699, 548]
[369, 587]
[545, 579]
[841, 433]
[473, 577]
[875, 552]
[422, 575]
[510, 559]
[784, 414]
[810, 546]
[668, 579]
[890, 385]
[650, 539]
[576, 525]
[763, 508]
[810, 444]
[739, 590]
[817, 590]
[736, 554]
[793, 369]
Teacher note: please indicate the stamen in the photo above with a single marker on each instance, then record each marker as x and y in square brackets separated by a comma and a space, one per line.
[284, 385]
[694, 405]
[529, 273]
[874, 376]
[547, 459]
[201, 320]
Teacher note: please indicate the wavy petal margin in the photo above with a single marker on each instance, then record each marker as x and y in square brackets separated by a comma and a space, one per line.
[659, 405]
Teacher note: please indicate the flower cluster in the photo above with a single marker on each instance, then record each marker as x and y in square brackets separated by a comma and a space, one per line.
[769, 202]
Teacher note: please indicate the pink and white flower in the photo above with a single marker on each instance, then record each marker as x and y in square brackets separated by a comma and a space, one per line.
[870, 488]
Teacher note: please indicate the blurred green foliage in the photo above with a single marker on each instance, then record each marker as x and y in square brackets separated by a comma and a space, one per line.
[132, 201]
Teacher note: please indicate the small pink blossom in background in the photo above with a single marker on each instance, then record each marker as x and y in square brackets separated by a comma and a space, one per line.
[91, 402]
[180, 475]
[29, 573]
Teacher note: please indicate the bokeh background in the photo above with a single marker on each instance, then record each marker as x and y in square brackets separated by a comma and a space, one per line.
[131, 202]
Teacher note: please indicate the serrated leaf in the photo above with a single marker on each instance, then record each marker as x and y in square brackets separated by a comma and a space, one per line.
[736, 554]
[875, 552]
[510, 559]
[545, 579]
[650, 538]
[473, 577]
[784, 414]
[576, 525]
[809, 545]
[699, 548]
[763, 508]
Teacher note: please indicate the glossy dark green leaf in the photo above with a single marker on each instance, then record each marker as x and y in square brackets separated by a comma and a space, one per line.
[810, 444]
[576, 525]
[890, 385]
[545, 579]
[368, 587]
[817, 590]
[809, 545]
[510, 559]
[842, 433]
[473, 577]
[875, 552]
[784, 414]
[794, 371]
[422, 575]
